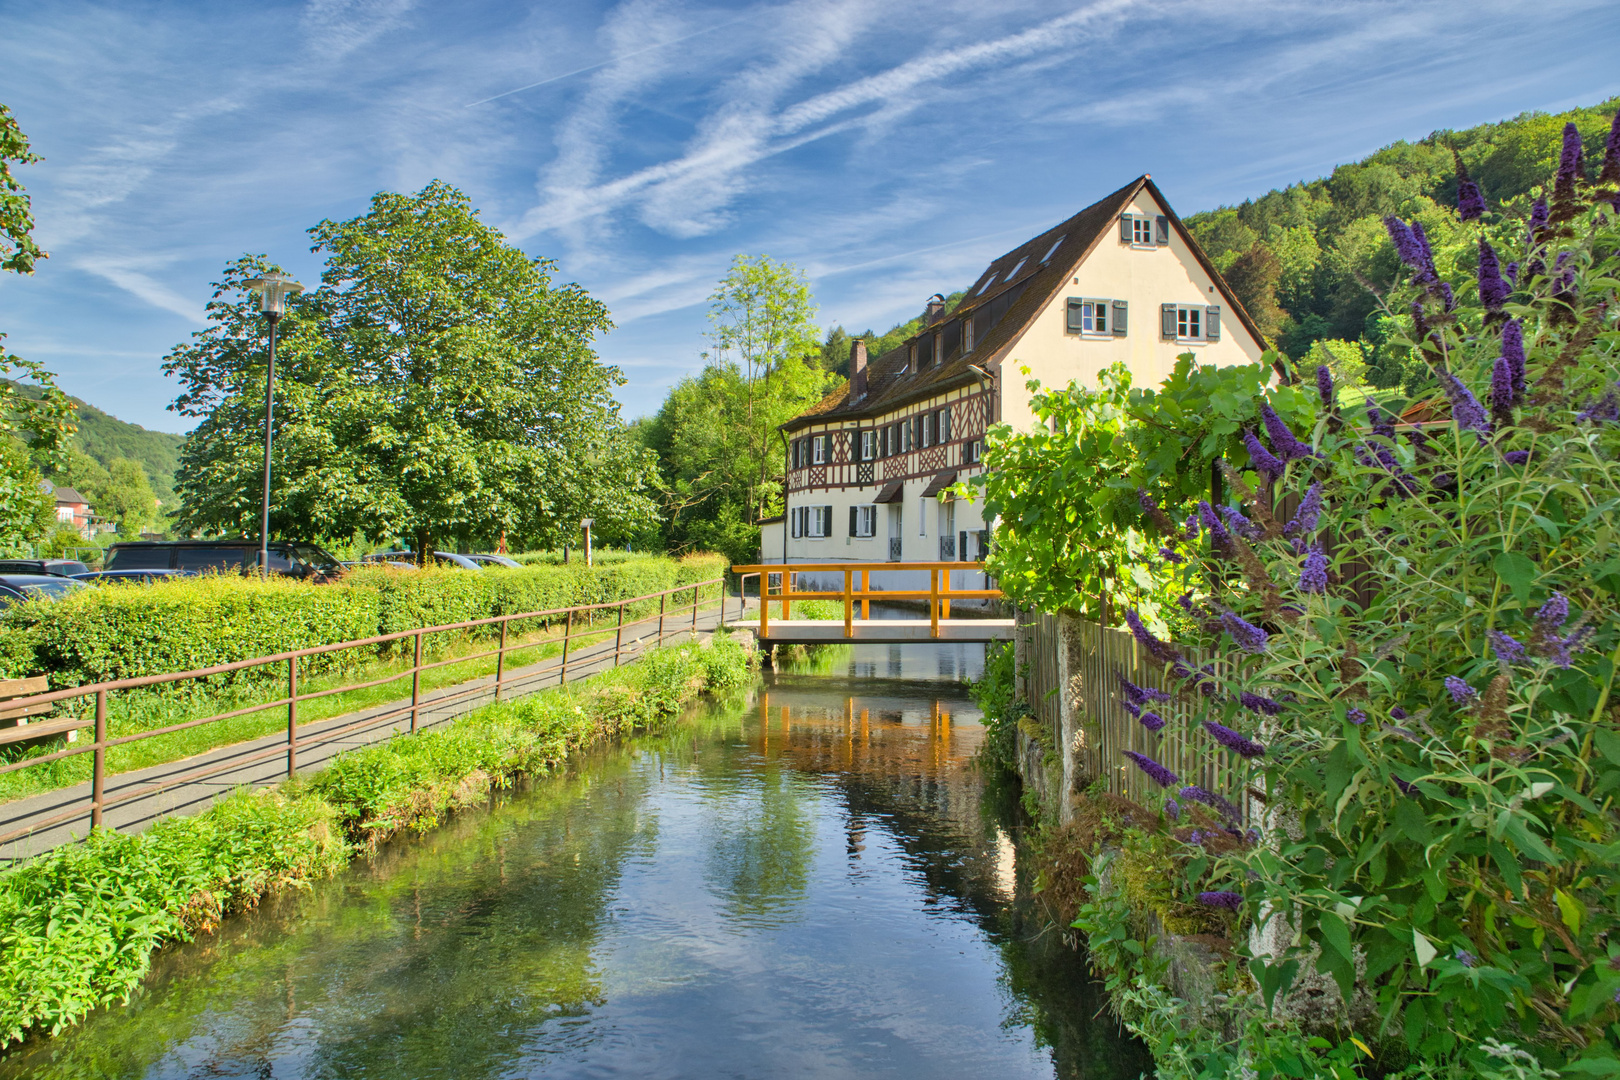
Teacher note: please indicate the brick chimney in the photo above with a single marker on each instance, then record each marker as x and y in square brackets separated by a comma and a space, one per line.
[936, 310]
[857, 369]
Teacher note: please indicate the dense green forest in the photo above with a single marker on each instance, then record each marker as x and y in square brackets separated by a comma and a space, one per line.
[107, 438]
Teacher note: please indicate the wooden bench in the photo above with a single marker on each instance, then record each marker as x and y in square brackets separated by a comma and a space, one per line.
[14, 725]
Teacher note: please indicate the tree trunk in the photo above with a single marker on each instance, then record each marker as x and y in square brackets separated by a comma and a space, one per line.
[424, 549]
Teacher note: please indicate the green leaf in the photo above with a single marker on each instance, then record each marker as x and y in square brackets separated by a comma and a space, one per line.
[1424, 948]
[1336, 934]
[1517, 573]
[1570, 910]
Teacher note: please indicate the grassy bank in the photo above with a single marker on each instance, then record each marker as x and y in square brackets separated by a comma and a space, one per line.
[80, 923]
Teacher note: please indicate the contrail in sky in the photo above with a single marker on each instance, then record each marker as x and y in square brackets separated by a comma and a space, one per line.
[609, 60]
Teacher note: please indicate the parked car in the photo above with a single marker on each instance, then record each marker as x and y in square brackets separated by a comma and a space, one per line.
[494, 560]
[58, 567]
[222, 557]
[15, 587]
[132, 575]
[443, 558]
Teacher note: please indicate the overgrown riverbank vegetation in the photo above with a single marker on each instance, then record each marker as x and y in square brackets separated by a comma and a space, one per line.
[81, 923]
[1418, 665]
[126, 631]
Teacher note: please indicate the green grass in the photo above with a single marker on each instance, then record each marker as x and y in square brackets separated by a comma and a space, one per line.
[129, 712]
[81, 922]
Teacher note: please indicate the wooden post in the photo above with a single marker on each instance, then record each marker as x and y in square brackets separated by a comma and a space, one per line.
[945, 588]
[694, 610]
[416, 682]
[866, 591]
[292, 717]
[933, 602]
[663, 600]
[500, 659]
[787, 593]
[618, 638]
[849, 604]
[568, 629]
[98, 777]
[764, 604]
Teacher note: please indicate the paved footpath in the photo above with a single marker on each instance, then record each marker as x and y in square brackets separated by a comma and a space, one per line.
[258, 764]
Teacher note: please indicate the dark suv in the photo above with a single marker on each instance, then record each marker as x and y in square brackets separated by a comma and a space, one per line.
[222, 557]
[58, 567]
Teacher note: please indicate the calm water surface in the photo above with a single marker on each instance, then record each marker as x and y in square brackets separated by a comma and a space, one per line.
[809, 881]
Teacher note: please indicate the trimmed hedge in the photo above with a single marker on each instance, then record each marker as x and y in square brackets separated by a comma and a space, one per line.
[125, 631]
[78, 925]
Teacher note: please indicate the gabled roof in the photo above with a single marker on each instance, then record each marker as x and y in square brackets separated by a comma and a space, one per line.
[1024, 281]
[69, 495]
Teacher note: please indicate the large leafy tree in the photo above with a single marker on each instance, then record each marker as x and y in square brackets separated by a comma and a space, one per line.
[34, 423]
[437, 387]
[715, 434]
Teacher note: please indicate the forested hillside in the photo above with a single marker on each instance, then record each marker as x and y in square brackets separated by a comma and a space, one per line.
[1302, 258]
[107, 438]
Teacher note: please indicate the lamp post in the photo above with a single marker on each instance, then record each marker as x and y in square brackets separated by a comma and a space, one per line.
[273, 289]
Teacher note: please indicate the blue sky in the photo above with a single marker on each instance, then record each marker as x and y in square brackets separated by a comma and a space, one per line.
[890, 149]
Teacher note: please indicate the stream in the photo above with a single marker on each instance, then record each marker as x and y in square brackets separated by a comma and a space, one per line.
[810, 880]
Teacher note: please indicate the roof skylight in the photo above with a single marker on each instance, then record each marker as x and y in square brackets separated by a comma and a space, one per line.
[1017, 268]
[1049, 251]
[989, 281]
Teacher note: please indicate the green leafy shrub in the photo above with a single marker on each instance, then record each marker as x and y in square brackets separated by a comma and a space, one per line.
[996, 694]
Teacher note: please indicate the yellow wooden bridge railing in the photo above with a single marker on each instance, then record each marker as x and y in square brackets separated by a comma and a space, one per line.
[939, 593]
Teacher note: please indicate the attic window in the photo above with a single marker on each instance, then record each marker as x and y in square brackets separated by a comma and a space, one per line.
[989, 281]
[1017, 268]
[1052, 250]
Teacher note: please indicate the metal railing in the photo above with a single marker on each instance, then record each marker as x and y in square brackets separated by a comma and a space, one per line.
[939, 593]
[668, 611]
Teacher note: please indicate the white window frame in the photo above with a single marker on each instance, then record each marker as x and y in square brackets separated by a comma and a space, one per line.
[1142, 231]
[1088, 322]
[1190, 322]
[869, 444]
[818, 450]
[866, 521]
[972, 451]
[818, 522]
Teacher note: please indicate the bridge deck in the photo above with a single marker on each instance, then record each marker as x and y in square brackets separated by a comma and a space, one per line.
[879, 631]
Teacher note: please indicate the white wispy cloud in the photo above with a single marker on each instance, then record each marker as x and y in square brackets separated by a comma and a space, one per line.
[135, 276]
[336, 28]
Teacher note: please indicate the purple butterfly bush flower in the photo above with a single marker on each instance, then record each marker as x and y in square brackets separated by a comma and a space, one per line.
[1513, 353]
[1265, 463]
[1562, 650]
[1566, 273]
[1218, 536]
[1249, 637]
[1511, 272]
[1605, 410]
[1465, 958]
[1222, 899]
[1447, 297]
[1569, 165]
[1155, 772]
[1194, 793]
[1239, 744]
[1502, 399]
[1257, 703]
[1237, 523]
[1159, 650]
[1172, 809]
[1553, 614]
[1507, 650]
[1406, 788]
[1170, 556]
[1191, 532]
[1461, 693]
[1313, 576]
[1139, 695]
[1516, 457]
[1493, 291]
[1399, 713]
[1185, 600]
[1611, 154]
[1309, 513]
[1421, 239]
[1379, 420]
[1412, 245]
[1470, 203]
[1465, 407]
[1152, 721]
[1538, 223]
[1282, 439]
[1355, 716]
[1324, 385]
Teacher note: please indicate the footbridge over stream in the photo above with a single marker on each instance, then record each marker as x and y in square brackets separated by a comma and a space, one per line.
[784, 583]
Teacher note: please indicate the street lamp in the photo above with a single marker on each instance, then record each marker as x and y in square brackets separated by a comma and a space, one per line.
[273, 289]
[586, 523]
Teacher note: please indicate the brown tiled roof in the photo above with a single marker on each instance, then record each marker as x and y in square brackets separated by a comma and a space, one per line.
[890, 386]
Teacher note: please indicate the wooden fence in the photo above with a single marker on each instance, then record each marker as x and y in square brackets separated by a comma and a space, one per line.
[1074, 663]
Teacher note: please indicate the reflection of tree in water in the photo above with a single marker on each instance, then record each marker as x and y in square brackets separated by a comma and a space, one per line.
[760, 845]
[442, 957]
